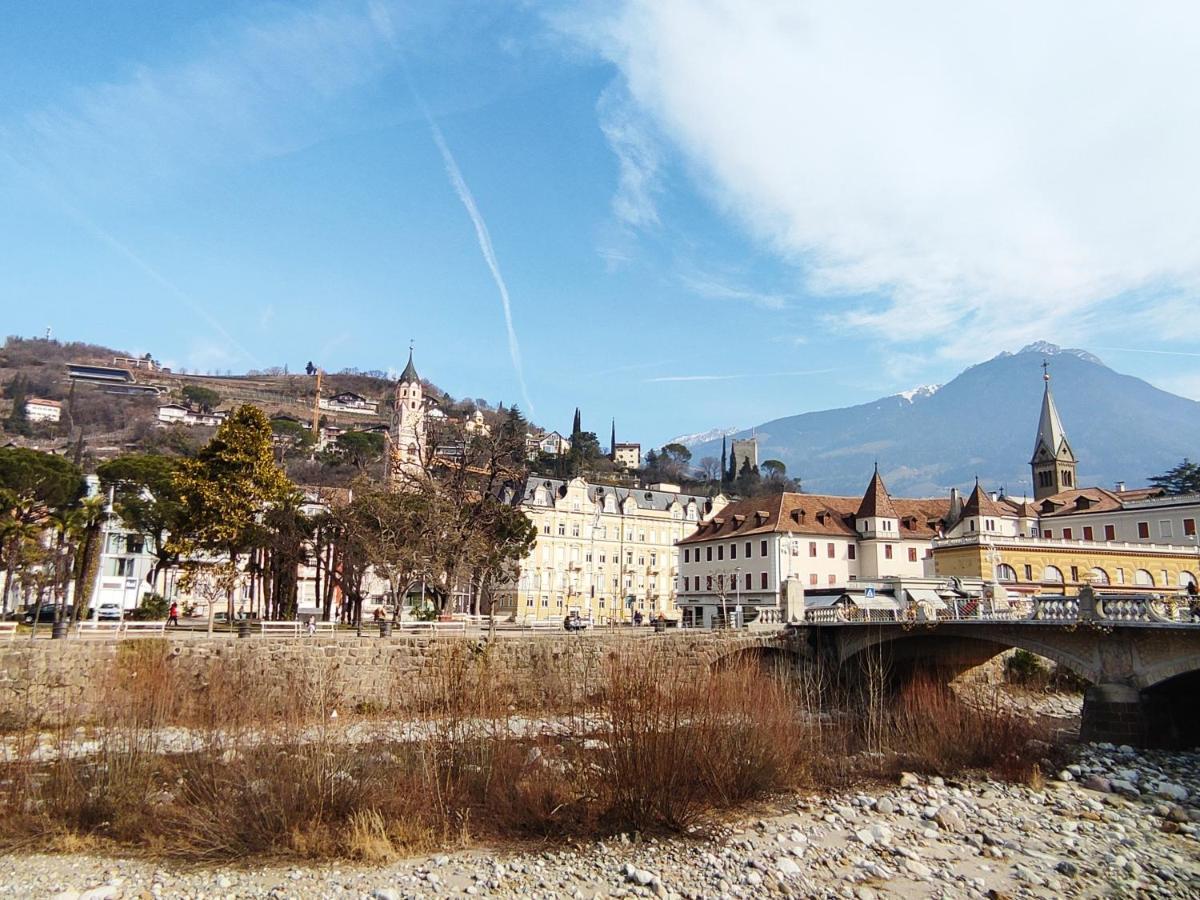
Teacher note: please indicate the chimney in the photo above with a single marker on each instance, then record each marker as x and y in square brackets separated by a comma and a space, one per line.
[1120, 487]
[993, 495]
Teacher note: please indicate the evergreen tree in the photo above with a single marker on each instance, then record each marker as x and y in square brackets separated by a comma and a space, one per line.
[724, 462]
[576, 425]
[1182, 479]
[18, 420]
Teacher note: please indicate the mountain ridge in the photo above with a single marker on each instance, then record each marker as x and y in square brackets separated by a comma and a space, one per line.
[982, 424]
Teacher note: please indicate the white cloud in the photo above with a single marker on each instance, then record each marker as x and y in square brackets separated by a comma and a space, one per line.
[715, 288]
[991, 173]
[638, 159]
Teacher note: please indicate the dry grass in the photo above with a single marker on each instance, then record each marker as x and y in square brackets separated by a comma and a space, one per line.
[634, 746]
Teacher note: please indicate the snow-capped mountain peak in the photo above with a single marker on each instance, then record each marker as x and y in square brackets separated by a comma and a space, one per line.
[920, 392]
[701, 437]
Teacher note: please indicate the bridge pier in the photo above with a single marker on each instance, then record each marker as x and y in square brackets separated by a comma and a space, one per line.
[1113, 713]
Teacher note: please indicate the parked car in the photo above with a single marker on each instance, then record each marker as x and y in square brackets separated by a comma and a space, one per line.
[109, 612]
[45, 613]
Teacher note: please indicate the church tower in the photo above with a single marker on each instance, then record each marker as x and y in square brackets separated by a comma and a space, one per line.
[1053, 460]
[407, 434]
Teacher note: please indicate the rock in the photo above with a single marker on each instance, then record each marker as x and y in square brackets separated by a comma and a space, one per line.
[103, 892]
[385, 894]
[1125, 788]
[1068, 868]
[884, 806]
[909, 780]
[917, 869]
[787, 869]
[865, 836]
[1097, 783]
[752, 878]
[948, 818]
[1176, 792]
[1065, 775]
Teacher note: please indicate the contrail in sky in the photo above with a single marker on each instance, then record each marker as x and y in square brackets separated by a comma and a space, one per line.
[1148, 350]
[485, 246]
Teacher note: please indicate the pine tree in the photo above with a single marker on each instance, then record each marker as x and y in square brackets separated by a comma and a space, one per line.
[576, 425]
[18, 420]
[724, 462]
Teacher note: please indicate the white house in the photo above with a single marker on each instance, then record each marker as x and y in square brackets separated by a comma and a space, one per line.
[349, 402]
[38, 409]
[763, 552]
[178, 414]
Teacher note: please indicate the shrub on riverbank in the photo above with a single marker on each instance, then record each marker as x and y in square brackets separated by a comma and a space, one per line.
[638, 747]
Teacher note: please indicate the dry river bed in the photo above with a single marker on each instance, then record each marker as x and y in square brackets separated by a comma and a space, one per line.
[1115, 823]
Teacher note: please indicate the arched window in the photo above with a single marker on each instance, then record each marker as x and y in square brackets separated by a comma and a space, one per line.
[1186, 578]
[1052, 575]
[1143, 578]
[1005, 572]
[1098, 576]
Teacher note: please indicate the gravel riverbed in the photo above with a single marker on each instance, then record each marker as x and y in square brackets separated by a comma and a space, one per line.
[1116, 822]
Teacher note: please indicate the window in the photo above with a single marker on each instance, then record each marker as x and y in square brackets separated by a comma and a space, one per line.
[1074, 573]
[720, 551]
[1164, 528]
[887, 551]
[562, 529]
[747, 581]
[1005, 572]
[763, 580]
[1098, 576]
[747, 549]
[686, 554]
[830, 551]
[1029, 573]
[587, 557]
[1189, 527]
[654, 560]
[708, 582]
[812, 579]
[122, 567]
[1143, 578]
[1144, 530]
[1052, 575]
[575, 530]
[912, 554]
[546, 528]
[1067, 534]
[1186, 579]
[832, 580]
[812, 548]
[1087, 533]
[733, 551]
[1110, 533]
[134, 543]
[1048, 534]
[708, 553]
[762, 548]
[851, 550]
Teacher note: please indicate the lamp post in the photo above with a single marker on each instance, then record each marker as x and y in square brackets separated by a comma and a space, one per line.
[737, 585]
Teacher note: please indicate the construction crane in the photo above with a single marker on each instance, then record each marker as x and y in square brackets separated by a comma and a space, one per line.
[316, 417]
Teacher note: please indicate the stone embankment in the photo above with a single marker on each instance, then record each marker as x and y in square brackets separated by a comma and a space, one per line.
[1116, 822]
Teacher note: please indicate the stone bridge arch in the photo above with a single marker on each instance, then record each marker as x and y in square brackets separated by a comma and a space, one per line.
[961, 648]
[728, 650]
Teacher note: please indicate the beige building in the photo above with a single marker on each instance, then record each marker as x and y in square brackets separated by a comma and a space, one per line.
[603, 552]
[627, 456]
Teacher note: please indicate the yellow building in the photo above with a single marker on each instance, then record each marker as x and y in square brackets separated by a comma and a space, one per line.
[602, 551]
[1033, 564]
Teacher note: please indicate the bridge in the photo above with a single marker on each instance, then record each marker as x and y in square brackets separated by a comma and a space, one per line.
[1139, 652]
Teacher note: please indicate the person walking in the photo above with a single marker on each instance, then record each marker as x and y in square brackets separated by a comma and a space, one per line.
[173, 614]
[312, 625]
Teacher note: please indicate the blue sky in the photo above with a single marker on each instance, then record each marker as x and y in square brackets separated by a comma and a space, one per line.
[697, 214]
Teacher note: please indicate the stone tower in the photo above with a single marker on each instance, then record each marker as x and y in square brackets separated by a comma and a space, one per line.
[1053, 461]
[406, 455]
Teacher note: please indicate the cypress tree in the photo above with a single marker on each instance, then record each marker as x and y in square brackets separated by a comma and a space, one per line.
[724, 459]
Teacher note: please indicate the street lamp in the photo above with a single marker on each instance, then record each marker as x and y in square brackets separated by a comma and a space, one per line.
[737, 584]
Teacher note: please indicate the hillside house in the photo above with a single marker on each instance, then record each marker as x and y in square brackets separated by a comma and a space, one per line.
[349, 402]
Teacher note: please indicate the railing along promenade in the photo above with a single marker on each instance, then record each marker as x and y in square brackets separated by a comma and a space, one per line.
[1092, 607]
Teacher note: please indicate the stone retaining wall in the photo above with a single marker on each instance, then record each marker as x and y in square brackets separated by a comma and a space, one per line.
[80, 676]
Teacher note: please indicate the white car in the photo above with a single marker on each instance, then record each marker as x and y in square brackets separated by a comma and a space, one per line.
[109, 612]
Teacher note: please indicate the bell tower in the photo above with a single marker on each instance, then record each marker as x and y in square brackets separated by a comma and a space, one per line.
[1053, 462]
[406, 455]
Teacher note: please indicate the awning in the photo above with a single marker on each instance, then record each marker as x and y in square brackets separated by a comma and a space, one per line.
[924, 595]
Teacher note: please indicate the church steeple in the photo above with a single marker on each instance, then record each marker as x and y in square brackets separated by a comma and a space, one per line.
[409, 375]
[1053, 461]
[612, 442]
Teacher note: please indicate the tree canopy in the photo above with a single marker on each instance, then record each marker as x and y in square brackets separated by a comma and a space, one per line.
[1182, 479]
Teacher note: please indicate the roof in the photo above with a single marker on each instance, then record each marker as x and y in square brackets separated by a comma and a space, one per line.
[980, 503]
[817, 514]
[1050, 434]
[1081, 501]
[409, 375]
[876, 501]
[645, 499]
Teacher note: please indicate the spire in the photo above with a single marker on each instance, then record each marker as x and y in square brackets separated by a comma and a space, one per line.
[982, 504]
[1050, 433]
[409, 375]
[876, 502]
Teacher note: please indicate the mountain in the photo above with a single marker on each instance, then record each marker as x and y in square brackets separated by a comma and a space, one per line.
[982, 424]
[702, 437]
